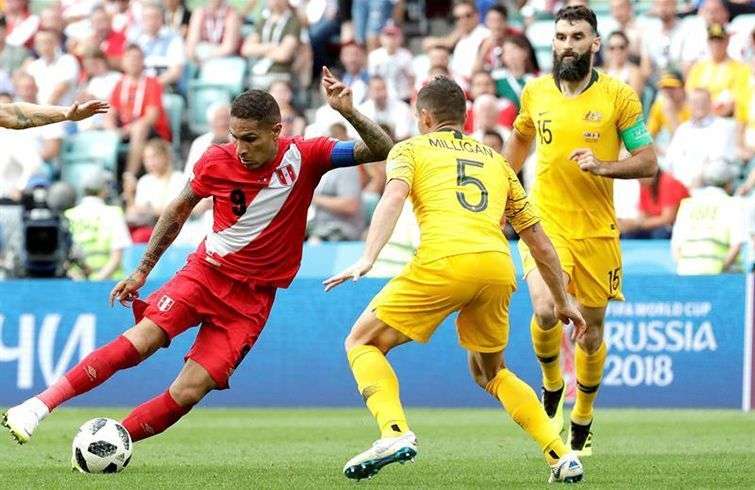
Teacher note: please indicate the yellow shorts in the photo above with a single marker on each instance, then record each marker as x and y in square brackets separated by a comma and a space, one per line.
[592, 264]
[477, 285]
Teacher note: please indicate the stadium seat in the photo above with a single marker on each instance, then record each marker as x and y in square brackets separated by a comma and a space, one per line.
[174, 107]
[227, 72]
[199, 100]
[99, 147]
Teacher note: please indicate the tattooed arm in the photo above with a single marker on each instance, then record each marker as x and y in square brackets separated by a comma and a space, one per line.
[22, 115]
[170, 223]
[375, 143]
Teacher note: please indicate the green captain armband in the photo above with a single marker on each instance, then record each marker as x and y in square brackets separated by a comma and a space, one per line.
[636, 135]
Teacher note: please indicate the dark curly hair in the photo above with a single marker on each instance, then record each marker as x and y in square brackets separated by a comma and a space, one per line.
[576, 13]
[443, 98]
[256, 105]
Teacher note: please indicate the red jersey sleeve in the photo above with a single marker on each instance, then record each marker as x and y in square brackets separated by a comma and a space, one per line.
[153, 96]
[115, 96]
[318, 152]
[198, 178]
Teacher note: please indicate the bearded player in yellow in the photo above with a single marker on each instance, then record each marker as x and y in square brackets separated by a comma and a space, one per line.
[461, 191]
[579, 118]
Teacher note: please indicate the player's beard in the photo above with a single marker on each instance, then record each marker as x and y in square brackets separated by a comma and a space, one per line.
[572, 70]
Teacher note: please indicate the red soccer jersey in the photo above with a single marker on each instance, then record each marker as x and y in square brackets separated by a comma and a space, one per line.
[131, 99]
[260, 216]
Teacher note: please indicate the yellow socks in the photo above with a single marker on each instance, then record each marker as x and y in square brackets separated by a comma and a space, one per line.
[378, 385]
[547, 345]
[522, 404]
[589, 374]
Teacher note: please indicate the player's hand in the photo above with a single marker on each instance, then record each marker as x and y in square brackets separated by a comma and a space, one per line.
[570, 312]
[355, 272]
[127, 290]
[337, 93]
[587, 161]
[79, 111]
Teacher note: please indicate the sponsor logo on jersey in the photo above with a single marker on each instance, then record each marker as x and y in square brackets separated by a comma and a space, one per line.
[165, 303]
[591, 135]
[593, 116]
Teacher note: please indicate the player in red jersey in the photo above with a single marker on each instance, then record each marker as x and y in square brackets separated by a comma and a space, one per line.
[261, 185]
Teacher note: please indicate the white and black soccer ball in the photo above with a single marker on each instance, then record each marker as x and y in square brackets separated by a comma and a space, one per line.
[101, 446]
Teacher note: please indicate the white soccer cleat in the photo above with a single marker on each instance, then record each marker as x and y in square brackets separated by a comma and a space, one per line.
[567, 470]
[22, 420]
[383, 452]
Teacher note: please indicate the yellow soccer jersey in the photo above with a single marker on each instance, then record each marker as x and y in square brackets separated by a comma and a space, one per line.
[460, 190]
[573, 203]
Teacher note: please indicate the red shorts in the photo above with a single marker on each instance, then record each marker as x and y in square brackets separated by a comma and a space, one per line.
[232, 315]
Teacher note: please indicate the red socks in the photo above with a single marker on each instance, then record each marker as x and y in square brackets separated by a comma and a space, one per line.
[152, 417]
[92, 371]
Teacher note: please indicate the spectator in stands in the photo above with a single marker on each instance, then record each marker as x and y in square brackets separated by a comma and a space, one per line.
[19, 162]
[696, 29]
[489, 56]
[100, 83]
[618, 65]
[146, 198]
[44, 142]
[21, 23]
[393, 63]
[436, 61]
[486, 117]
[518, 67]
[659, 202]
[163, 48]
[324, 24]
[369, 17]
[214, 32]
[272, 46]
[292, 120]
[663, 40]
[219, 118]
[354, 61]
[483, 84]
[137, 108]
[623, 19]
[51, 19]
[670, 107]
[125, 17]
[110, 42]
[746, 122]
[98, 231]
[55, 73]
[705, 138]
[337, 207]
[178, 16]
[465, 39]
[392, 112]
[710, 227]
[726, 79]
[11, 57]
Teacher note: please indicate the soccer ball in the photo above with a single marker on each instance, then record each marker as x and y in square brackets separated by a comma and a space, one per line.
[101, 446]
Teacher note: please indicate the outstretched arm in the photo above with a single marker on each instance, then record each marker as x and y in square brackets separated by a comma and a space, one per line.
[22, 115]
[375, 143]
[166, 230]
[381, 228]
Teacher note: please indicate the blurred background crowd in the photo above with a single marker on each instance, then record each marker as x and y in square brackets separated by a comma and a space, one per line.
[170, 69]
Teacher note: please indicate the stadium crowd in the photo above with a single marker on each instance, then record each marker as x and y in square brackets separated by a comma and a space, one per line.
[169, 72]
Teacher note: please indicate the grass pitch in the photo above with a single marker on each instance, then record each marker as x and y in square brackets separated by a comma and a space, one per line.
[287, 448]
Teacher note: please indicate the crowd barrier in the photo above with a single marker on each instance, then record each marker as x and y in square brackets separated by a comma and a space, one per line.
[675, 342]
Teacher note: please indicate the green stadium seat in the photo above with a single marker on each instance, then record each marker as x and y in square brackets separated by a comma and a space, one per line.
[228, 72]
[99, 147]
[200, 99]
[174, 106]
